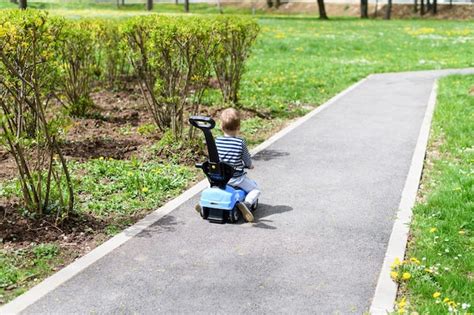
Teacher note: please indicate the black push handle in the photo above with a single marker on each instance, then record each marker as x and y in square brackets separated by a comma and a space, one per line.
[206, 124]
[202, 122]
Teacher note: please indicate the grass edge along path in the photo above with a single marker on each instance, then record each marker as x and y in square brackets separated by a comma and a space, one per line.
[437, 275]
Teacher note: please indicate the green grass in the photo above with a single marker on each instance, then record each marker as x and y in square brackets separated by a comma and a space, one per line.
[441, 251]
[117, 189]
[28, 265]
[305, 61]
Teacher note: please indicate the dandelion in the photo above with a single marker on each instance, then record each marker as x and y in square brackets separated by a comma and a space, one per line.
[433, 229]
[462, 232]
[415, 261]
[406, 276]
[144, 189]
[429, 270]
[394, 275]
[436, 295]
[101, 158]
[402, 303]
[445, 300]
[396, 263]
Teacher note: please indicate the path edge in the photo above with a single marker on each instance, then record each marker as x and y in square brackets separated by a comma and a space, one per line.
[55, 280]
[386, 290]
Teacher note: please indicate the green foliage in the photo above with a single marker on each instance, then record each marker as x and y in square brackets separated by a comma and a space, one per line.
[235, 36]
[443, 224]
[172, 58]
[113, 52]
[78, 64]
[114, 187]
[19, 267]
[28, 78]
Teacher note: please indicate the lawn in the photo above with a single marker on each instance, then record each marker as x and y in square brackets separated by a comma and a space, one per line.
[440, 257]
[296, 65]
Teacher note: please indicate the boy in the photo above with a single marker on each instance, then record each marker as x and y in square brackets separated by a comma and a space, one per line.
[233, 151]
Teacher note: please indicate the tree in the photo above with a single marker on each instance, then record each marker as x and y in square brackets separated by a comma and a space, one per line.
[322, 10]
[186, 6]
[23, 4]
[422, 7]
[364, 9]
[149, 5]
[269, 3]
[277, 4]
[388, 11]
[415, 6]
[435, 6]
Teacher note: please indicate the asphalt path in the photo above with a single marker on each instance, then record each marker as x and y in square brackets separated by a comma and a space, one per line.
[330, 191]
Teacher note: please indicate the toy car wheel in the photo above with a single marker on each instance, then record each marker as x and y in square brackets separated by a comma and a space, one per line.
[204, 212]
[234, 215]
[254, 206]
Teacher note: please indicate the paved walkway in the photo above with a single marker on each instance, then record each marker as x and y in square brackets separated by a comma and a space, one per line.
[330, 188]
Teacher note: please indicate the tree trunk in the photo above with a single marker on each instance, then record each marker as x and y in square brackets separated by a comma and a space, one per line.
[435, 6]
[376, 8]
[149, 5]
[277, 4]
[388, 11]
[450, 3]
[269, 3]
[219, 7]
[322, 10]
[422, 7]
[123, 2]
[23, 4]
[364, 9]
[186, 6]
[415, 7]
[176, 2]
[428, 5]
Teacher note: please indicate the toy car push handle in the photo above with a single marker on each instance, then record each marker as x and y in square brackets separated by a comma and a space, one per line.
[202, 122]
[206, 124]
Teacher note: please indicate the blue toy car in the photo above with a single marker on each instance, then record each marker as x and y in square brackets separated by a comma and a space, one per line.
[220, 202]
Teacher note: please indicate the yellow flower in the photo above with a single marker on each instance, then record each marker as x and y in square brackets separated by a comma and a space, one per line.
[428, 270]
[101, 158]
[446, 300]
[436, 295]
[433, 229]
[462, 232]
[396, 262]
[144, 189]
[415, 261]
[406, 276]
[402, 303]
[394, 275]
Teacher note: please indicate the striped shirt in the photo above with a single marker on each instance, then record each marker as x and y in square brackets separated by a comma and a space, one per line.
[233, 151]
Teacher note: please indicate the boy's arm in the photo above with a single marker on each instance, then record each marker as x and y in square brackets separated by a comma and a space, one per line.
[246, 155]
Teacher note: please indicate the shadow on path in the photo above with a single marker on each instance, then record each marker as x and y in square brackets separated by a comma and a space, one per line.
[265, 210]
[269, 154]
[164, 225]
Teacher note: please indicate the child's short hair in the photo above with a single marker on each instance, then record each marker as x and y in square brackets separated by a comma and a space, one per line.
[230, 119]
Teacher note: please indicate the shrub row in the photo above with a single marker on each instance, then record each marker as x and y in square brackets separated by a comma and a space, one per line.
[44, 58]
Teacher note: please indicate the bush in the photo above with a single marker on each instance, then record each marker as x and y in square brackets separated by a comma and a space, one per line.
[28, 73]
[172, 57]
[235, 37]
[77, 55]
[113, 53]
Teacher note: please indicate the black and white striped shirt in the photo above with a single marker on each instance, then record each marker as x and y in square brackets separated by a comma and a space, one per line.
[234, 151]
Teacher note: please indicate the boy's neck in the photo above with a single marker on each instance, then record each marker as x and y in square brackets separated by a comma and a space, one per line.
[230, 133]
